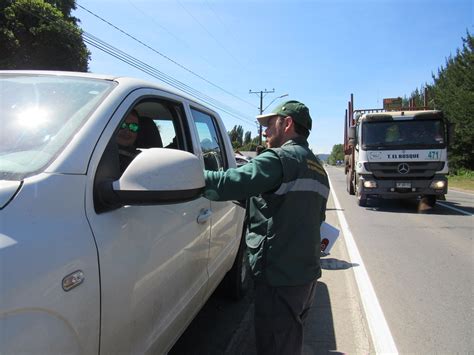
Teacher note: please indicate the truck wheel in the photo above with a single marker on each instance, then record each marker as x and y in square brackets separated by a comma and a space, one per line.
[361, 198]
[429, 200]
[349, 183]
[237, 280]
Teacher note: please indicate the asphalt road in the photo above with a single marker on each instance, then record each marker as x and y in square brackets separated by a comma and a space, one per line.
[421, 267]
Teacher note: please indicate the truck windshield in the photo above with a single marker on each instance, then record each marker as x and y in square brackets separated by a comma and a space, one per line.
[403, 134]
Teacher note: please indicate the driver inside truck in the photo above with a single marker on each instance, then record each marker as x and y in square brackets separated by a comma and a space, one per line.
[392, 134]
[126, 137]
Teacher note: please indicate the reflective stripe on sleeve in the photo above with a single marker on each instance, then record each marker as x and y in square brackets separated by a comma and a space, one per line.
[304, 185]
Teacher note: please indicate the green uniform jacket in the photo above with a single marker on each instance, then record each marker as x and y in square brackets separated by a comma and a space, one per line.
[287, 190]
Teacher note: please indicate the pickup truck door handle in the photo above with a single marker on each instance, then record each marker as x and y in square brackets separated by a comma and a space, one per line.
[204, 215]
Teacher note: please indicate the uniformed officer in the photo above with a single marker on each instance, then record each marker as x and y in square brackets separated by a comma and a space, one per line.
[287, 190]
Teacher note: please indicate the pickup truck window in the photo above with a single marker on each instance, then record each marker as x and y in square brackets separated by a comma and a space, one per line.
[211, 142]
[150, 123]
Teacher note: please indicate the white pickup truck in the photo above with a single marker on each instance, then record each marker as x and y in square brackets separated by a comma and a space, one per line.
[94, 259]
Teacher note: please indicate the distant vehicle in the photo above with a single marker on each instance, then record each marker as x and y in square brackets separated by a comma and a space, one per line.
[396, 154]
[94, 258]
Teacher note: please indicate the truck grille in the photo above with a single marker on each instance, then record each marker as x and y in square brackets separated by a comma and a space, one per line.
[420, 170]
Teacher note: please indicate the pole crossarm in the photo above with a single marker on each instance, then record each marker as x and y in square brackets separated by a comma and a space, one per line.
[262, 94]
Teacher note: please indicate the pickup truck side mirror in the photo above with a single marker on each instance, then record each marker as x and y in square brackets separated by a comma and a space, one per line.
[157, 176]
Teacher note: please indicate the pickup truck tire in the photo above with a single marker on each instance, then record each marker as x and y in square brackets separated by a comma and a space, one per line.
[237, 281]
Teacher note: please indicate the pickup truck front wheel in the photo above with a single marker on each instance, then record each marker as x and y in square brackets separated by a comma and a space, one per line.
[237, 280]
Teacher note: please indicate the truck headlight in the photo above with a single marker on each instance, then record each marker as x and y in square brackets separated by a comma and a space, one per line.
[370, 184]
[438, 184]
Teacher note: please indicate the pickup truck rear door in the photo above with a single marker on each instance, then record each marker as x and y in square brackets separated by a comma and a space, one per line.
[227, 217]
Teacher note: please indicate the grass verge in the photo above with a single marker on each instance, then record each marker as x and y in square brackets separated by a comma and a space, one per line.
[462, 180]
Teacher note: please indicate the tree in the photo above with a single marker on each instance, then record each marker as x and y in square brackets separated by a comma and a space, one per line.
[236, 136]
[417, 98]
[247, 137]
[337, 153]
[41, 34]
[453, 93]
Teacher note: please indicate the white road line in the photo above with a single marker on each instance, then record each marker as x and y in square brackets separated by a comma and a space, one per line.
[379, 330]
[454, 208]
[460, 192]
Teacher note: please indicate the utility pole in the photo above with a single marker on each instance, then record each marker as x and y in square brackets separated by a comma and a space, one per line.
[262, 93]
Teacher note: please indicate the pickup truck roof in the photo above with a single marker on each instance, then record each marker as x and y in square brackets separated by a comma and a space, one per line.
[122, 80]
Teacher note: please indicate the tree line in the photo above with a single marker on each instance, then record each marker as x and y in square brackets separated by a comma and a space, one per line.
[241, 141]
[452, 92]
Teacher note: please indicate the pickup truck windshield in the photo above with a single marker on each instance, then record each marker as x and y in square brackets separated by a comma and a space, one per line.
[39, 115]
[403, 134]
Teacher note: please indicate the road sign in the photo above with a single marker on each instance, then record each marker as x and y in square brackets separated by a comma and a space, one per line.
[392, 104]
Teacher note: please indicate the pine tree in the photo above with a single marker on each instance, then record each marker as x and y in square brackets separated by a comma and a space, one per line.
[453, 93]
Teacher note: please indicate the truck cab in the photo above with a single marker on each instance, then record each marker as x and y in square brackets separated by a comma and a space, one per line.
[397, 154]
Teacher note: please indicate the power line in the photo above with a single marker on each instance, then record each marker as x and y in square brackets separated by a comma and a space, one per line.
[262, 94]
[224, 25]
[209, 33]
[177, 38]
[163, 55]
[146, 68]
[125, 57]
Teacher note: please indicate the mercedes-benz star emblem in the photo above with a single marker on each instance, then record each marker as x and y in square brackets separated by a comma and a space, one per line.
[403, 168]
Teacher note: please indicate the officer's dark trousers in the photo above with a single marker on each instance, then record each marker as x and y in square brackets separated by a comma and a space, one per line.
[279, 316]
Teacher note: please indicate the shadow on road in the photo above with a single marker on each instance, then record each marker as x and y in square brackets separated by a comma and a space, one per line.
[215, 325]
[334, 209]
[320, 337]
[335, 264]
[226, 327]
[467, 209]
[412, 207]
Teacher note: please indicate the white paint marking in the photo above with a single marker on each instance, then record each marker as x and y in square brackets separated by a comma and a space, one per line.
[460, 192]
[379, 330]
[454, 208]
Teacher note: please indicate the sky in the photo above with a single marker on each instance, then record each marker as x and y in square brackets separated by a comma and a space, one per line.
[316, 51]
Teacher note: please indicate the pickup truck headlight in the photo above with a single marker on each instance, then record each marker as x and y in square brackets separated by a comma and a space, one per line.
[438, 184]
[370, 184]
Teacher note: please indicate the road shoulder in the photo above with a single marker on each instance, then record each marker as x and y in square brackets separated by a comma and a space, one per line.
[336, 322]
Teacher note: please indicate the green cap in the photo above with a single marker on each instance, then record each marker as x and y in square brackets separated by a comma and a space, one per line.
[297, 110]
